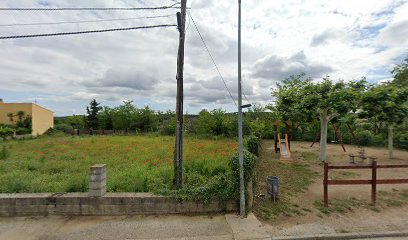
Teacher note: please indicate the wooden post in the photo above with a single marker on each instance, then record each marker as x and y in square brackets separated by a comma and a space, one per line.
[178, 157]
[374, 182]
[317, 138]
[336, 130]
[288, 128]
[275, 127]
[276, 138]
[325, 183]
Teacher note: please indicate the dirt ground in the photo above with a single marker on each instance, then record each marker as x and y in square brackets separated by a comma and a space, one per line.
[361, 218]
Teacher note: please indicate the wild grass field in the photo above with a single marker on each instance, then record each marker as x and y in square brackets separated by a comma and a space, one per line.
[134, 163]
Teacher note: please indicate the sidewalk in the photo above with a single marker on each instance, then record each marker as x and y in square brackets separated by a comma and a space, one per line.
[223, 227]
[132, 227]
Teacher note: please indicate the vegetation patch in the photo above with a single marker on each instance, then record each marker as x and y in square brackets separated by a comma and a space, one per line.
[384, 199]
[337, 175]
[294, 178]
[134, 164]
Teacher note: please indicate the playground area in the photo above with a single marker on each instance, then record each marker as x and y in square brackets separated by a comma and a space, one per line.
[301, 190]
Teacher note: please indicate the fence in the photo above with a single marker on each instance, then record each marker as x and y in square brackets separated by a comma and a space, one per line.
[374, 181]
[98, 132]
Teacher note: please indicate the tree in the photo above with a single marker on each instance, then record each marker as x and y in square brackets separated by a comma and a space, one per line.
[76, 122]
[400, 74]
[124, 116]
[301, 99]
[146, 120]
[105, 118]
[288, 96]
[92, 111]
[204, 123]
[386, 103]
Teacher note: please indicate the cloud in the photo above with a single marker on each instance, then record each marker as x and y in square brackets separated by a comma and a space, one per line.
[277, 68]
[395, 34]
[345, 39]
[125, 78]
[332, 35]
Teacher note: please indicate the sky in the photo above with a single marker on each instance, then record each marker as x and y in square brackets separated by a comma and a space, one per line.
[345, 40]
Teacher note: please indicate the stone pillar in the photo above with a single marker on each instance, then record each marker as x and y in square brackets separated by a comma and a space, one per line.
[97, 181]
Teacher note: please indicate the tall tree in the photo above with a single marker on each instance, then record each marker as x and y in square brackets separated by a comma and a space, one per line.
[400, 74]
[300, 98]
[386, 103]
[92, 110]
[124, 116]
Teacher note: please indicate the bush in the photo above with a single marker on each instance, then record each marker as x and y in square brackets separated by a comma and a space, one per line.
[23, 131]
[253, 143]
[6, 132]
[53, 132]
[63, 127]
[249, 168]
[364, 138]
[169, 128]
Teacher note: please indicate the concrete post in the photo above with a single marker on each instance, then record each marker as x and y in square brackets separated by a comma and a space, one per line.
[97, 180]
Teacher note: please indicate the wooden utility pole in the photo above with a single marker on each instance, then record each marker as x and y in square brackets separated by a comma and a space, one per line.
[178, 157]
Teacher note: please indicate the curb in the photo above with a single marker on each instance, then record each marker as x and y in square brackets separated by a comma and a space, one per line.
[346, 236]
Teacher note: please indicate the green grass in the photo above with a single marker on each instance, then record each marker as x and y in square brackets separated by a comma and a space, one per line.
[294, 178]
[338, 206]
[134, 163]
[336, 175]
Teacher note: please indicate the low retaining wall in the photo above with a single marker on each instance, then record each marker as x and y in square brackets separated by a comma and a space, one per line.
[32, 204]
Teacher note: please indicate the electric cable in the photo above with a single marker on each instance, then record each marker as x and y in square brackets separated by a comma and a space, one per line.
[84, 32]
[84, 21]
[91, 8]
[212, 58]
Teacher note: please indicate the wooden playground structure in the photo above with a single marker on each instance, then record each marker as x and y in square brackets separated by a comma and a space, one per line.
[282, 145]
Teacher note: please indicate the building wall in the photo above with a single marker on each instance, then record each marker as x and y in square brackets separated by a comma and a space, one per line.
[43, 119]
[6, 108]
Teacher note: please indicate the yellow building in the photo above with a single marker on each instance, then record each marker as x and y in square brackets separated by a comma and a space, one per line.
[42, 119]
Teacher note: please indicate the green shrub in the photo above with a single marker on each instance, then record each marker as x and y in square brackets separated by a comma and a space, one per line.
[6, 132]
[63, 127]
[23, 131]
[249, 167]
[169, 128]
[253, 143]
[365, 137]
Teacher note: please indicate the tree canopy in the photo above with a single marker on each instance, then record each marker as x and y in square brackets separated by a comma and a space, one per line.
[300, 99]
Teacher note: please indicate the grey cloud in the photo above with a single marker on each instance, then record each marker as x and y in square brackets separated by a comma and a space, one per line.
[276, 68]
[394, 34]
[201, 4]
[325, 37]
[125, 78]
[224, 48]
[206, 91]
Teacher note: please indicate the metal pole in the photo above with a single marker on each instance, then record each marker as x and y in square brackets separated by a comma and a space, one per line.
[178, 158]
[240, 154]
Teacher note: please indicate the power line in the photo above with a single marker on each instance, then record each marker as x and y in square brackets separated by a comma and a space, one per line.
[84, 32]
[90, 8]
[246, 98]
[212, 58]
[84, 21]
